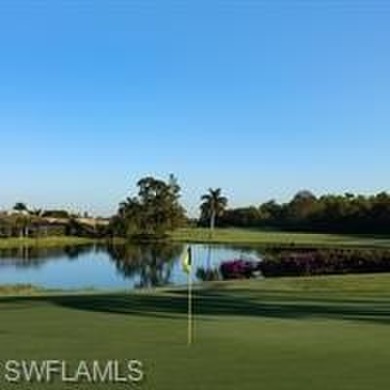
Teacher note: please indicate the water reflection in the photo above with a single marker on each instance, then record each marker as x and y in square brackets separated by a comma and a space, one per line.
[151, 263]
[34, 257]
[109, 266]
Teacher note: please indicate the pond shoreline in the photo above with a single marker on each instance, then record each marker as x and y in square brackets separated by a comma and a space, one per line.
[370, 282]
[46, 242]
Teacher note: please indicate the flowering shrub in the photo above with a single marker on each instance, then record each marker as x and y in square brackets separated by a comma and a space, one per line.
[238, 269]
[325, 262]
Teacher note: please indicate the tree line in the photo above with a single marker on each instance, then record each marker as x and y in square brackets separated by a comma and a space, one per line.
[156, 209]
[347, 213]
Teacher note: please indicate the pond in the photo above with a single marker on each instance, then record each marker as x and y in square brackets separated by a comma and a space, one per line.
[111, 267]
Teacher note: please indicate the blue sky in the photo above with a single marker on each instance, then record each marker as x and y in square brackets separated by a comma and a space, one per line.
[261, 98]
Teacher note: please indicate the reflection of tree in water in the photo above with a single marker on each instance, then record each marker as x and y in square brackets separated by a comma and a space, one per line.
[33, 257]
[152, 263]
[73, 252]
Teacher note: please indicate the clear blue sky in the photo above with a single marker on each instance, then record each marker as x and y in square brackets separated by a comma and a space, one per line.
[261, 98]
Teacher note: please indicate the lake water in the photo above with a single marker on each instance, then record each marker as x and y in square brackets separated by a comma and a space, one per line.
[111, 267]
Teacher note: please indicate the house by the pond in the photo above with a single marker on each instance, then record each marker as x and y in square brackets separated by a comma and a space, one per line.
[24, 224]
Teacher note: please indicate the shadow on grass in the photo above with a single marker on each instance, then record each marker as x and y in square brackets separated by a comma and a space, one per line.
[214, 303]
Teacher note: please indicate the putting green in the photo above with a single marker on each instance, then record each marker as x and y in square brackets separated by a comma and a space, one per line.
[281, 334]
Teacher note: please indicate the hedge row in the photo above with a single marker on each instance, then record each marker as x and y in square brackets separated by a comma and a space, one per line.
[325, 262]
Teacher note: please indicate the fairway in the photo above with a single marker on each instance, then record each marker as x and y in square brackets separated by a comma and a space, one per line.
[281, 334]
[278, 238]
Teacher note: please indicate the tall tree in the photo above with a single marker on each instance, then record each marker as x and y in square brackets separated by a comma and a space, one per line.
[213, 205]
[154, 211]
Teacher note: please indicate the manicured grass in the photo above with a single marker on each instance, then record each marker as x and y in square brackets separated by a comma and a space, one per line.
[324, 333]
[275, 238]
[45, 242]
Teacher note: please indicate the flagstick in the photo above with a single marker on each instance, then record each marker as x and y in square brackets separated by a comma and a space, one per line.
[190, 330]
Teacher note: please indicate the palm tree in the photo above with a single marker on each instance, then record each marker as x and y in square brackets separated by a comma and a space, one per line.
[213, 205]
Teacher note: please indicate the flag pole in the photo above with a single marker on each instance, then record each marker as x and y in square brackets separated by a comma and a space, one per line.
[190, 307]
[190, 319]
[187, 268]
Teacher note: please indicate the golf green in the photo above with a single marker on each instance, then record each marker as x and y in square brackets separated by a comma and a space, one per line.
[280, 334]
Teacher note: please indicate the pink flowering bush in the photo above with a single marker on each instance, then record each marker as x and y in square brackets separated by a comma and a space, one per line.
[238, 269]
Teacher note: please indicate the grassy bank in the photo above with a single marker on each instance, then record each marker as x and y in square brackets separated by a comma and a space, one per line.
[274, 238]
[320, 333]
[46, 242]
